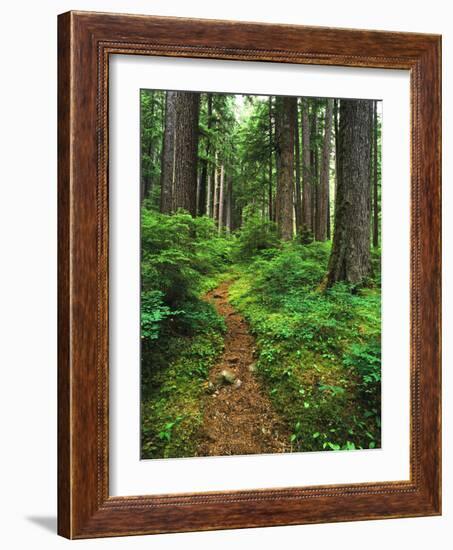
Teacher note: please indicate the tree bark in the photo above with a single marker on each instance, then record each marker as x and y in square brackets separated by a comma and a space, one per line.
[185, 188]
[221, 197]
[297, 191]
[148, 184]
[215, 199]
[168, 155]
[328, 214]
[202, 195]
[209, 196]
[314, 170]
[285, 108]
[350, 256]
[146, 181]
[323, 189]
[202, 186]
[375, 179]
[306, 193]
[229, 203]
[271, 148]
[336, 131]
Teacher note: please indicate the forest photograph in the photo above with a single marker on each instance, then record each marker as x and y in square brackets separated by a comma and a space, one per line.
[260, 274]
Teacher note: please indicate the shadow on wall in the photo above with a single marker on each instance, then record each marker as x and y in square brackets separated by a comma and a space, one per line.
[49, 523]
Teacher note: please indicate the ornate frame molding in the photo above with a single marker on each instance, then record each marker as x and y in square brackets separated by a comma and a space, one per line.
[86, 40]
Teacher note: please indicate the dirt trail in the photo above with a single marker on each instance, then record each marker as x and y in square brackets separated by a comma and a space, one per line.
[238, 417]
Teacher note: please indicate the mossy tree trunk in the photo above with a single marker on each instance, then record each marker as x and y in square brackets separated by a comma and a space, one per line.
[203, 189]
[284, 126]
[298, 192]
[307, 188]
[324, 181]
[185, 187]
[270, 168]
[221, 198]
[314, 166]
[168, 154]
[375, 179]
[350, 257]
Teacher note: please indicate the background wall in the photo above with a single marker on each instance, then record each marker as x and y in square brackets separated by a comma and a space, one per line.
[28, 271]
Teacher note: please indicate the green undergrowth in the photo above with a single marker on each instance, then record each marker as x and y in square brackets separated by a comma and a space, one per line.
[173, 386]
[182, 334]
[318, 353]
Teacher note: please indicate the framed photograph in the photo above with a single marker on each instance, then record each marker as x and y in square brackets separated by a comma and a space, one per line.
[249, 275]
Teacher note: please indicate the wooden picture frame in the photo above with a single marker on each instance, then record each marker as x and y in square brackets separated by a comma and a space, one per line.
[85, 41]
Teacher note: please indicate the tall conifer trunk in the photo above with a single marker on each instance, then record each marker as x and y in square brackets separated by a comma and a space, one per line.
[297, 190]
[271, 149]
[180, 153]
[285, 109]
[350, 257]
[185, 188]
[168, 154]
[221, 197]
[229, 204]
[314, 164]
[324, 181]
[215, 200]
[203, 189]
[375, 179]
[306, 193]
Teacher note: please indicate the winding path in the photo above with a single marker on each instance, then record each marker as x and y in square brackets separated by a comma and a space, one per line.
[238, 417]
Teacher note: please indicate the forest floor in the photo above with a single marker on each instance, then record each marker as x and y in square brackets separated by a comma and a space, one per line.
[239, 418]
[242, 353]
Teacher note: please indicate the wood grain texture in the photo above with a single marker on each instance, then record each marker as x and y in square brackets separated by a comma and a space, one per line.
[85, 42]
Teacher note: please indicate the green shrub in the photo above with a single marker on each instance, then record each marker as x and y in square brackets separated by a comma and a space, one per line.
[317, 351]
[172, 395]
[153, 313]
[181, 333]
[304, 235]
[365, 360]
[255, 236]
[196, 317]
[179, 254]
[288, 271]
[168, 259]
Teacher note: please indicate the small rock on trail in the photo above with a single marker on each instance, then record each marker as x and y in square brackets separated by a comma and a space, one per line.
[226, 376]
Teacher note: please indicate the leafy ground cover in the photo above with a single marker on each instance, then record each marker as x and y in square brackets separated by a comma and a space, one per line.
[317, 351]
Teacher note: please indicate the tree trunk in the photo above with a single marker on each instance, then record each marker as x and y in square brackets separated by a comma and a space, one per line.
[306, 193]
[202, 188]
[148, 184]
[314, 170]
[350, 257]
[209, 196]
[215, 199]
[168, 154]
[285, 108]
[202, 195]
[298, 194]
[375, 179]
[185, 188]
[323, 188]
[271, 148]
[336, 130]
[221, 198]
[229, 203]
[328, 214]
[146, 181]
